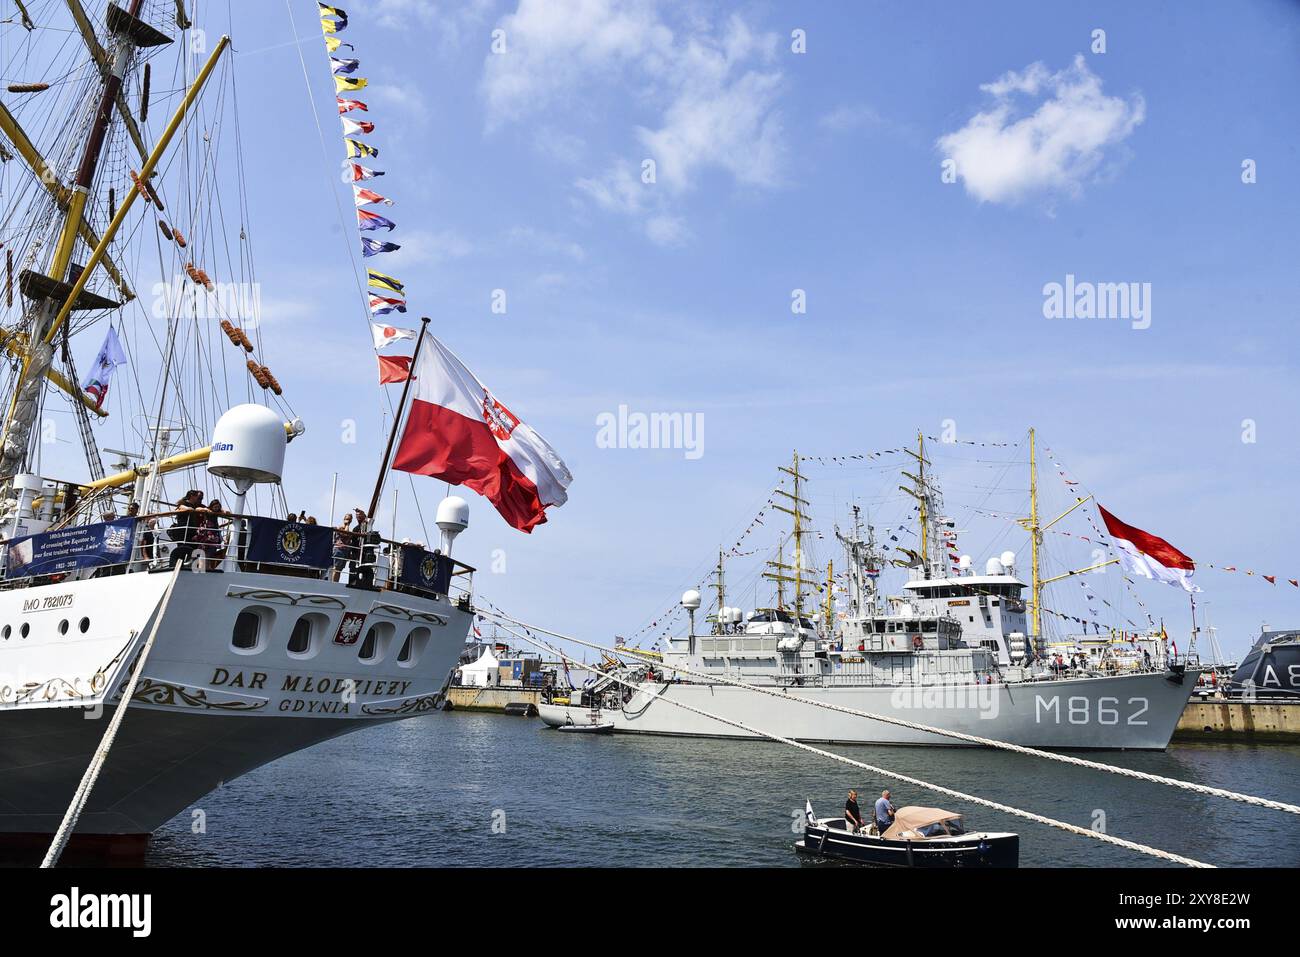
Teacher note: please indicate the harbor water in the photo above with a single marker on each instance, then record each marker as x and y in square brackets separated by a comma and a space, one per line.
[492, 791]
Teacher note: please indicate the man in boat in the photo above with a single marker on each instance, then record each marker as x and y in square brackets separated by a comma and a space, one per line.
[852, 814]
[884, 812]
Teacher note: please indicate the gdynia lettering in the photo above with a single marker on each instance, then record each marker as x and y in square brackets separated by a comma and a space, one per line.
[1100, 300]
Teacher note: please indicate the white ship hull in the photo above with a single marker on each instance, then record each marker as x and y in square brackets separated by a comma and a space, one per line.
[204, 712]
[1136, 712]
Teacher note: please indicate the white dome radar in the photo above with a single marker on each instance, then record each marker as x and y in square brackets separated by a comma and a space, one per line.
[248, 446]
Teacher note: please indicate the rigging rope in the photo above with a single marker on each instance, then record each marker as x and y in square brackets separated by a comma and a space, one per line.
[915, 726]
[897, 776]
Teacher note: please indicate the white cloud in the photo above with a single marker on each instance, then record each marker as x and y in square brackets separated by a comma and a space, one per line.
[714, 87]
[846, 118]
[540, 240]
[1004, 155]
[425, 247]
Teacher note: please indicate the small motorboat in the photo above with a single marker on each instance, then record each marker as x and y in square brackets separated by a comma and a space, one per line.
[919, 837]
[594, 724]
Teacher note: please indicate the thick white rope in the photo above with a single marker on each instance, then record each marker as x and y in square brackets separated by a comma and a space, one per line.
[892, 775]
[82, 796]
[915, 726]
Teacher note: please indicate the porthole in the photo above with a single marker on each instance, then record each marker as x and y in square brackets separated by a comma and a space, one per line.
[84, 625]
[25, 629]
[63, 627]
[244, 636]
[374, 647]
[300, 638]
[369, 644]
[413, 647]
[7, 631]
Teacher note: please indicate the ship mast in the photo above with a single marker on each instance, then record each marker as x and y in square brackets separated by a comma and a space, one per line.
[796, 512]
[62, 288]
[719, 586]
[1035, 539]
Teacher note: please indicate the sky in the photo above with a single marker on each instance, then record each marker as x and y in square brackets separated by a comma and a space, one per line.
[853, 213]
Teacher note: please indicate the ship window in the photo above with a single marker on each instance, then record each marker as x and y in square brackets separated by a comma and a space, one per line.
[63, 627]
[375, 645]
[244, 636]
[84, 625]
[8, 630]
[300, 639]
[23, 631]
[413, 647]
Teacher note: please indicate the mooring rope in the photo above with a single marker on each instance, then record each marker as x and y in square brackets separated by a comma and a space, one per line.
[916, 726]
[887, 773]
[82, 796]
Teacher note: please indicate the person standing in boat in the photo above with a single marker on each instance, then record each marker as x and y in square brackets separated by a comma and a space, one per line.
[884, 812]
[852, 813]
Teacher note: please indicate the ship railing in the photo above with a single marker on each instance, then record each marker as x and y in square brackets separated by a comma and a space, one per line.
[226, 541]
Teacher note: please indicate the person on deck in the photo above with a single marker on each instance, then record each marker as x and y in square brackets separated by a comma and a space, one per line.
[884, 812]
[342, 544]
[852, 813]
[185, 527]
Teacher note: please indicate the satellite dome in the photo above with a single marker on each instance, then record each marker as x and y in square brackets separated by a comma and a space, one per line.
[992, 567]
[691, 599]
[1008, 560]
[453, 514]
[248, 445]
[964, 562]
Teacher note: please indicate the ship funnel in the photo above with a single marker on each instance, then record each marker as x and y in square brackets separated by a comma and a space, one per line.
[248, 446]
[452, 518]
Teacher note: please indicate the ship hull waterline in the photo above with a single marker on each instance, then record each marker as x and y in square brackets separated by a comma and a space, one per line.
[1127, 712]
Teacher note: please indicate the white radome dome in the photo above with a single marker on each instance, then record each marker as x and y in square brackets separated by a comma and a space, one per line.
[1008, 560]
[993, 567]
[691, 599]
[453, 514]
[248, 445]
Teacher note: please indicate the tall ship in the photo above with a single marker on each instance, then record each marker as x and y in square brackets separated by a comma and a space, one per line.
[958, 648]
[175, 590]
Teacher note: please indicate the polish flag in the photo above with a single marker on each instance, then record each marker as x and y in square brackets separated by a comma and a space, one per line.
[394, 369]
[387, 335]
[459, 432]
[1147, 555]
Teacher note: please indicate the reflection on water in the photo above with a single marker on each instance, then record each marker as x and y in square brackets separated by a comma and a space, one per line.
[428, 791]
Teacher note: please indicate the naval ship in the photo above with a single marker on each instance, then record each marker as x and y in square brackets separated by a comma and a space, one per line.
[265, 640]
[956, 651]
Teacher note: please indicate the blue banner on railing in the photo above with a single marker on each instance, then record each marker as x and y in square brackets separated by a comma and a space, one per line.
[288, 543]
[428, 570]
[83, 546]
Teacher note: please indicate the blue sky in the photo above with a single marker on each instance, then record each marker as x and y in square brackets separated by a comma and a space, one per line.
[817, 171]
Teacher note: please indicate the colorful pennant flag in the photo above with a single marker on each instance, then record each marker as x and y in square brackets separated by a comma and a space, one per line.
[394, 369]
[382, 305]
[380, 280]
[387, 335]
[333, 43]
[357, 127]
[343, 65]
[368, 220]
[361, 196]
[347, 106]
[337, 25]
[373, 247]
[345, 84]
[357, 149]
[360, 172]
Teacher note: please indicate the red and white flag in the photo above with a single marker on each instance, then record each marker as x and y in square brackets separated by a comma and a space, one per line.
[1149, 556]
[387, 335]
[459, 432]
[361, 196]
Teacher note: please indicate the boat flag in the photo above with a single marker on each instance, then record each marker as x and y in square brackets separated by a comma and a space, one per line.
[394, 369]
[360, 172]
[361, 196]
[1149, 556]
[343, 65]
[343, 84]
[110, 357]
[382, 305]
[457, 431]
[381, 280]
[357, 127]
[808, 812]
[373, 247]
[332, 26]
[333, 43]
[347, 106]
[356, 148]
[387, 335]
[368, 220]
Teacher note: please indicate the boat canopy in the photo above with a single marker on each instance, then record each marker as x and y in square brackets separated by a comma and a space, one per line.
[909, 821]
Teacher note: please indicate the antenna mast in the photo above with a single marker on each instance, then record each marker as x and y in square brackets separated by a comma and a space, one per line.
[796, 512]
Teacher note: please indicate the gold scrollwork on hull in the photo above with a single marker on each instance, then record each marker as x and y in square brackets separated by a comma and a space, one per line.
[165, 694]
[422, 705]
[407, 614]
[286, 597]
